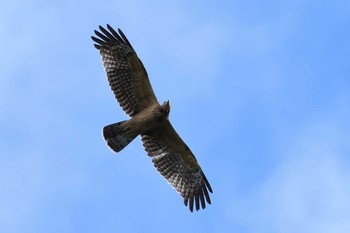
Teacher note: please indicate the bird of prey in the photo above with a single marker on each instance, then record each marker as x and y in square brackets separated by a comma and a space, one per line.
[129, 82]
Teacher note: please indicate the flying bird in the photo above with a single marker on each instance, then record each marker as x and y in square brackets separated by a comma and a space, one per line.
[129, 82]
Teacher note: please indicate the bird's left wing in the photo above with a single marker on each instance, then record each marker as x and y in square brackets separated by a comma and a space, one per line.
[126, 74]
[176, 163]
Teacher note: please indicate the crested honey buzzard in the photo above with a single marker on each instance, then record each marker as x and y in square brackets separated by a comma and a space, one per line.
[129, 82]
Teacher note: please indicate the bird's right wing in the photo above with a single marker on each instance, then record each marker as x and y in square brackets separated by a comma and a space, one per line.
[126, 74]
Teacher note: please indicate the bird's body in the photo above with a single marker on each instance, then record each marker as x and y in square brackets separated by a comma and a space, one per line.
[149, 119]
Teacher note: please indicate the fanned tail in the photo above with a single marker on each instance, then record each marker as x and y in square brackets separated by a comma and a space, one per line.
[116, 136]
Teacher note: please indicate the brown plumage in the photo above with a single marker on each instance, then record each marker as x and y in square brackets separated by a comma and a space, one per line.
[130, 84]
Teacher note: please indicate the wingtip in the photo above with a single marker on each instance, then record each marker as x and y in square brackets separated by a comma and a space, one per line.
[197, 202]
[109, 27]
[186, 201]
[207, 183]
[201, 198]
[124, 37]
[121, 33]
[97, 46]
[209, 201]
[191, 203]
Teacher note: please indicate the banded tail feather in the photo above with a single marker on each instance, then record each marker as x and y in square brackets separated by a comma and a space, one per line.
[116, 136]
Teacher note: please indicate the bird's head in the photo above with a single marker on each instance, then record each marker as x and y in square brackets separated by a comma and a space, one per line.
[165, 108]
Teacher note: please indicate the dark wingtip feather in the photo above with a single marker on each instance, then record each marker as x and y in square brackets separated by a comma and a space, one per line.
[97, 46]
[186, 201]
[124, 37]
[106, 37]
[98, 41]
[202, 199]
[191, 203]
[103, 37]
[108, 34]
[197, 201]
[206, 194]
[207, 184]
[115, 34]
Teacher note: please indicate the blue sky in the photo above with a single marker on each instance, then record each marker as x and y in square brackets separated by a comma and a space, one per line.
[260, 91]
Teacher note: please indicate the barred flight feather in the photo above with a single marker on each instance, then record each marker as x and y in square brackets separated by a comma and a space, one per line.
[189, 182]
